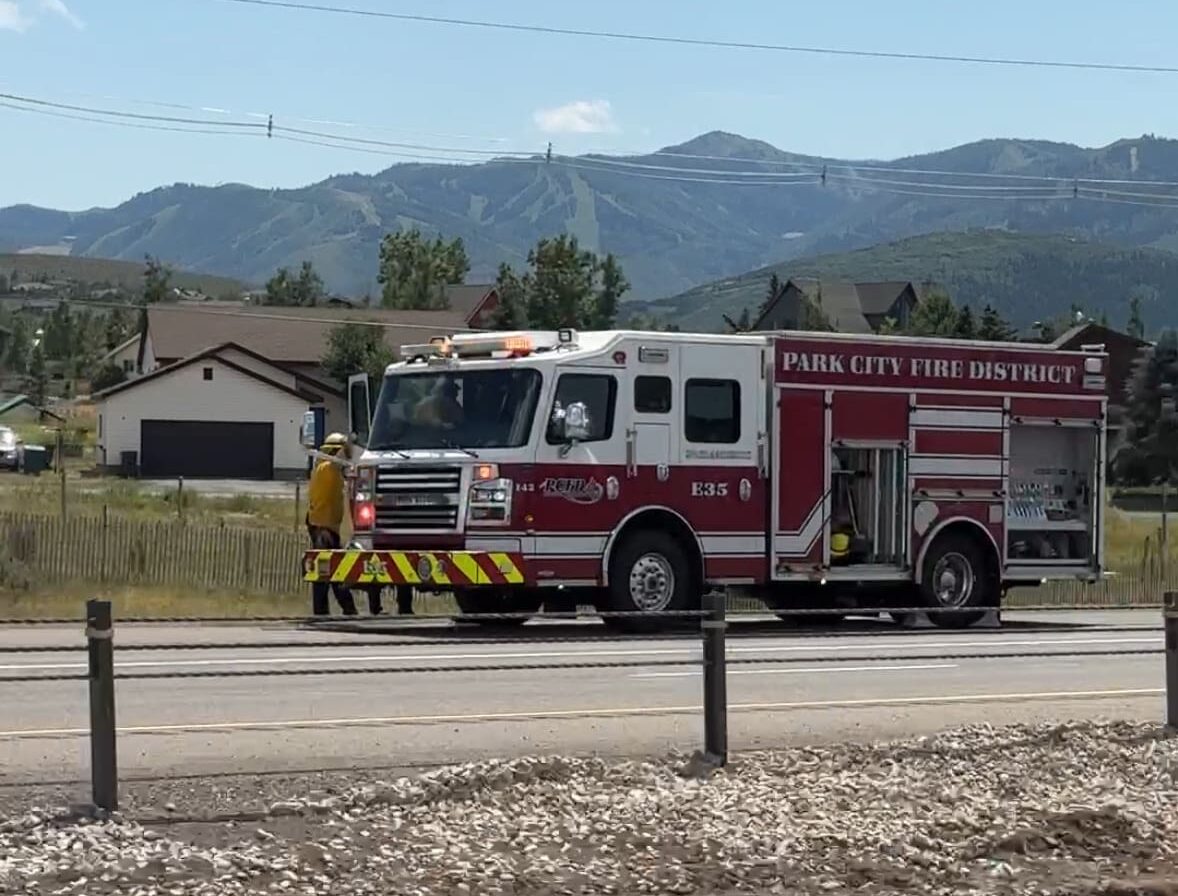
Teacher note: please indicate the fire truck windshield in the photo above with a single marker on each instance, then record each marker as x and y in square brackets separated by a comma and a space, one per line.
[455, 409]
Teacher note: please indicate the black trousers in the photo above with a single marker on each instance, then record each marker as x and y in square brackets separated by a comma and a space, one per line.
[326, 539]
[404, 595]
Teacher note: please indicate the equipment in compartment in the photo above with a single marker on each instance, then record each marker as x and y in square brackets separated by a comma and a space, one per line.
[1049, 507]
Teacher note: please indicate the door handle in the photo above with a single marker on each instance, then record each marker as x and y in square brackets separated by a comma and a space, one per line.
[631, 453]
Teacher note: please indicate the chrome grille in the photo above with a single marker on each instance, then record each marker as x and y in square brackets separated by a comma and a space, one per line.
[416, 498]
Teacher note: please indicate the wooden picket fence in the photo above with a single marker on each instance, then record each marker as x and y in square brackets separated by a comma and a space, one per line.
[109, 550]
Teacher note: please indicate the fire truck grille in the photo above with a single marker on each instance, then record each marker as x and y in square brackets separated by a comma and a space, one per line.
[418, 498]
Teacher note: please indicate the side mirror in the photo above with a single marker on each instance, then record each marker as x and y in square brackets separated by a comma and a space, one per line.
[572, 424]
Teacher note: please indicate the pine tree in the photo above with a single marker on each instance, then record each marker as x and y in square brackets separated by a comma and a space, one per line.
[1149, 451]
[965, 328]
[992, 327]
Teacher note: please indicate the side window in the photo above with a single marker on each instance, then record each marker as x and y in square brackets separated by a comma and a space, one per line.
[598, 392]
[712, 411]
[652, 394]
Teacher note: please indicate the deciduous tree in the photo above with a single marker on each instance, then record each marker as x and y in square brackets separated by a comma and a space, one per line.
[304, 288]
[356, 348]
[414, 272]
[564, 286]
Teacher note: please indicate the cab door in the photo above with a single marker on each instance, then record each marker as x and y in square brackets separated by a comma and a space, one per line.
[720, 480]
[580, 489]
[360, 404]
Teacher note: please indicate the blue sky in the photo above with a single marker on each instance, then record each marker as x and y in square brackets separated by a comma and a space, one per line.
[489, 90]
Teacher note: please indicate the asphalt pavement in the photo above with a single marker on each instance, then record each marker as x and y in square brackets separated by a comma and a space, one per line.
[615, 696]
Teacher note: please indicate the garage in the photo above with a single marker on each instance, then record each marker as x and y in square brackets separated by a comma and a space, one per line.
[206, 449]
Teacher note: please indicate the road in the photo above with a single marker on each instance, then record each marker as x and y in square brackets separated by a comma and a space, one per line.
[867, 682]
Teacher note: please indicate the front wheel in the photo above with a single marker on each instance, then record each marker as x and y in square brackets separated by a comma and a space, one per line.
[956, 576]
[650, 573]
[493, 600]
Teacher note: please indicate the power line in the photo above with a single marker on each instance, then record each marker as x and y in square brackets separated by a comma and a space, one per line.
[215, 110]
[806, 167]
[132, 124]
[707, 42]
[138, 116]
[812, 174]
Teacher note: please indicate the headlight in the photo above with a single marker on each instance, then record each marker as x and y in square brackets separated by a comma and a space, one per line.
[490, 503]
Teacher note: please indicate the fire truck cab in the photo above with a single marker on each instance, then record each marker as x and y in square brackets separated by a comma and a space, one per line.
[634, 470]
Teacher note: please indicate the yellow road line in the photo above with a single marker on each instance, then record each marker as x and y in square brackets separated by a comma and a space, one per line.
[541, 715]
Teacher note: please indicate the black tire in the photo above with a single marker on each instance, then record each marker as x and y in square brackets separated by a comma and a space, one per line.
[650, 571]
[492, 600]
[957, 573]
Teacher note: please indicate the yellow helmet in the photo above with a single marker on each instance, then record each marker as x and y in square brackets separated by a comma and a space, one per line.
[334, 443]
[840, 544]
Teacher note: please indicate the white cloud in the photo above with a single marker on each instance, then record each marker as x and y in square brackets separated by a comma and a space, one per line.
[577, 117]
[12, 17]
[58, 8]
[17, 16]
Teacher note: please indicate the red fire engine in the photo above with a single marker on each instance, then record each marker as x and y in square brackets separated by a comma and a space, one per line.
[633, 470]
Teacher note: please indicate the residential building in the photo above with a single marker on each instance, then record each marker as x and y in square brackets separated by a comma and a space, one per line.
[223, 412]
[220, 391]
[850, 307]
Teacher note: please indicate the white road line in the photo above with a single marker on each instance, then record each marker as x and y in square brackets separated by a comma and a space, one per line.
[320, 659]
[823, 670]
[541, 715]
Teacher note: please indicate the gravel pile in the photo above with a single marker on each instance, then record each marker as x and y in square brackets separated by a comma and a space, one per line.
[1084, 808]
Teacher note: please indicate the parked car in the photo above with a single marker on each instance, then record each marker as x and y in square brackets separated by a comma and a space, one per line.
[10, 449]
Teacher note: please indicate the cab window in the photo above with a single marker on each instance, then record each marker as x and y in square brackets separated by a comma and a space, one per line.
[598, 392]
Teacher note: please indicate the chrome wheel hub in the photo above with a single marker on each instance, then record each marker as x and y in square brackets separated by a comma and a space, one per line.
[953, 580]
[652, 583]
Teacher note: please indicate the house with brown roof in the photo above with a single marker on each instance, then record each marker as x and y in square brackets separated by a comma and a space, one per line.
[294, 338]
[850, 307]
[224, 412]
[220, 390]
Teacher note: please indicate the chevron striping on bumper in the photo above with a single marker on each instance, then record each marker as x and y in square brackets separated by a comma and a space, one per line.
[445, 568]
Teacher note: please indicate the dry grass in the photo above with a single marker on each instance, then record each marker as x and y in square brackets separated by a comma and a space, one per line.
[127, 499]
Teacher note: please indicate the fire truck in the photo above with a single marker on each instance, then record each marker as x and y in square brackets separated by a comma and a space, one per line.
[634, 471]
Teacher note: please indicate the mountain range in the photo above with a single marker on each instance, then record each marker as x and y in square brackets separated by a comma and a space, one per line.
[702, 211]
[1025, 277]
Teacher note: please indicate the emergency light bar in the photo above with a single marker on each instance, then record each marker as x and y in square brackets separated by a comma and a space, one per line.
[516, 344]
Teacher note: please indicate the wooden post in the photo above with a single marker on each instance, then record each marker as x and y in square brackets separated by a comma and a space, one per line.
[61, 469]
[103, 754]
[180, 498]
[1164, 547]
[102, 574]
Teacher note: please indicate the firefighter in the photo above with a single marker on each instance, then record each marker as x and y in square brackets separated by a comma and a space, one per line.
[440, 409]
[404, 594]
[325, 516]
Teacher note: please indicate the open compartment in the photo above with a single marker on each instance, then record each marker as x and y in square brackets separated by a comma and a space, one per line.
[868, 507]
[1053, 503]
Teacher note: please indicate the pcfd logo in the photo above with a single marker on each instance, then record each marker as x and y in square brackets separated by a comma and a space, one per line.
[576, 489]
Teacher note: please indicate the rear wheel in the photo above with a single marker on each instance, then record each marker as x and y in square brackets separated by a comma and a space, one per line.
[958, 576]
[493, 600]
[650, 572]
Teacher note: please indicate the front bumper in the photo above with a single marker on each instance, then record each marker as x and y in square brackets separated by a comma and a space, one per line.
[440, 568]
